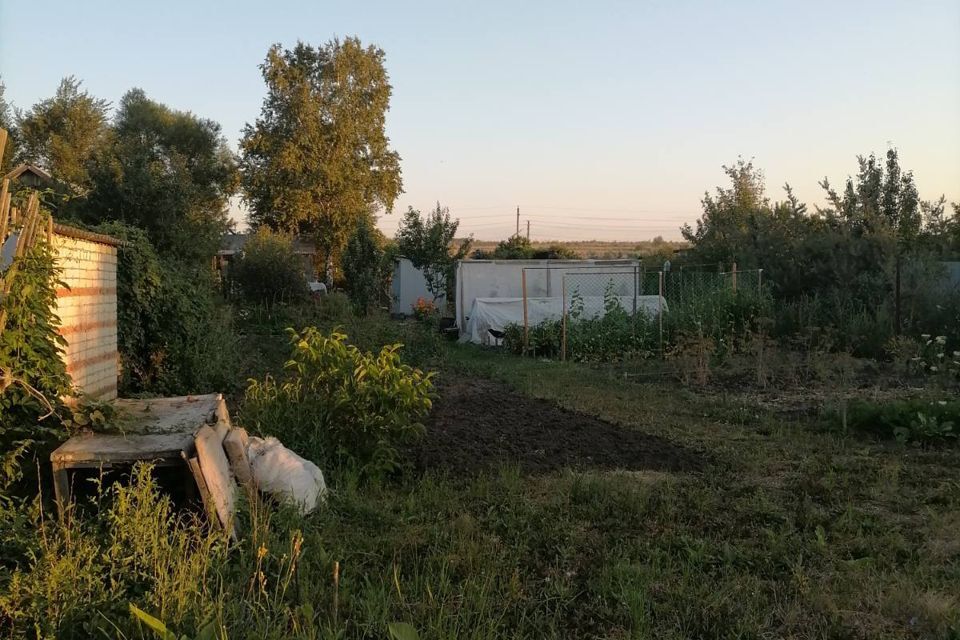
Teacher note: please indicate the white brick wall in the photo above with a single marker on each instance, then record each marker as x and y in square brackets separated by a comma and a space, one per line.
[87, 308]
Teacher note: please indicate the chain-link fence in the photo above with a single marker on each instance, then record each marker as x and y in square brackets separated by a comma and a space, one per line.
[607, 312]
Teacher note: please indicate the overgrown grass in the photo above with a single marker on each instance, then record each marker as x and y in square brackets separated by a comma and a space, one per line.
[791, 531]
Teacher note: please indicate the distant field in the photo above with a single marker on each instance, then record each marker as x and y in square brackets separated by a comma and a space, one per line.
[600, 249]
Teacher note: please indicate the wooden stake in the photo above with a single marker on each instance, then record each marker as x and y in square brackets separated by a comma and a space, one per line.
[336, 591]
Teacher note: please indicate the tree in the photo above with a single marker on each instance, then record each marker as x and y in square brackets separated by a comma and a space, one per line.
[515, 247]
[63, 133]
[883, 203]
[7, 122]
[318, 159]
[724, 231]
[364, 267]
[165, 171]
[429, 243]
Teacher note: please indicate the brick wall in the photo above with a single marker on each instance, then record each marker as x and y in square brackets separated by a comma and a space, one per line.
[88, 311]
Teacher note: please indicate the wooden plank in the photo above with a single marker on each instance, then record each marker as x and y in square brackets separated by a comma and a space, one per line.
[194, 465]
[217, 475]
[105, 448]
[180, 414]
[235, 446]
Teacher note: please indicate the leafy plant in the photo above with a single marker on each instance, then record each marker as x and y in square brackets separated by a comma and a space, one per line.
[912, 420]
[338, 404]
[365, 272]
[925, 429]
[172, 334]
[33, 376]
[429, 243]
[268, 270]
[424, 309]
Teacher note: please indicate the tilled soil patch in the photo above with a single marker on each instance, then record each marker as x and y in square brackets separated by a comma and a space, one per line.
[479, 424]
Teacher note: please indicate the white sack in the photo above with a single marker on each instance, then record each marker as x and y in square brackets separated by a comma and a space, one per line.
[497, 313]
[285, 475]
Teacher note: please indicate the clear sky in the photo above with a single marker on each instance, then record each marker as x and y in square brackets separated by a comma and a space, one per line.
[601, 120]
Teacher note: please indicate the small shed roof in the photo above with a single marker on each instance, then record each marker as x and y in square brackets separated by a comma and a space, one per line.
[28, 168]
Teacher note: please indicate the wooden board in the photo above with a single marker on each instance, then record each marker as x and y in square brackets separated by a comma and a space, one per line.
[146, 429]
[94, 449]
[235, 446]
[217, 475]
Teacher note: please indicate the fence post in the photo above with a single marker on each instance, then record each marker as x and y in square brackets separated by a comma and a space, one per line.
[733, 276]
[563, 306]
[660, 314]
[526, 328]
[759, 280]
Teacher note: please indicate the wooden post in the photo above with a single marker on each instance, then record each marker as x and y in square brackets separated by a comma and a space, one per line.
[563, 306]
[733, 276]
[759, 280]
[526, 327]
[61, 488]
[4, 209]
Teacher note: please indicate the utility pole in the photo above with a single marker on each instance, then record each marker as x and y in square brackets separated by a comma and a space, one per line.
[528, 231]
[518, 220]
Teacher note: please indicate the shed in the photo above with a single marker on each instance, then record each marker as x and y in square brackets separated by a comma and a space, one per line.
[30, 175]
[407, 286]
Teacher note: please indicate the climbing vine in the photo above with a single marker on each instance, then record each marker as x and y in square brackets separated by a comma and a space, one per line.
[33, 376]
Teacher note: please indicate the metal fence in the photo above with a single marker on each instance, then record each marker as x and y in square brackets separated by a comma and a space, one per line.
[593, 293]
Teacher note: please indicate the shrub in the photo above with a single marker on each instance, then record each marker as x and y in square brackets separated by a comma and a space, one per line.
[268, 270]
[335, 403]
[172, 334]
[424, 309]
[912, 420]
[364, 270]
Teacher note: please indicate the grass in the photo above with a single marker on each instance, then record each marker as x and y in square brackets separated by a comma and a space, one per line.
[791, 531]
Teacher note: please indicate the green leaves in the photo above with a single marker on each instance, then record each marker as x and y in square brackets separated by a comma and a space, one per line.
[365, 268]
[339, 405]
[402, 631]
[427, 242]
[318, 159]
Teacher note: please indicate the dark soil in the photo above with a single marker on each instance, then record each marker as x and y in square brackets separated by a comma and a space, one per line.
[479, 424]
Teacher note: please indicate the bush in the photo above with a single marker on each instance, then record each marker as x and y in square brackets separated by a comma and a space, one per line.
[335, 403]
[912, 420]
[268, 270]
[365, 272]
[172, 334]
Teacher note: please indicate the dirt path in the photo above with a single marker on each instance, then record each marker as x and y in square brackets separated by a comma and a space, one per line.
[478, 424]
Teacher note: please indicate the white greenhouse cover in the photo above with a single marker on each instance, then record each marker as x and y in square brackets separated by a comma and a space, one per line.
[497, 313]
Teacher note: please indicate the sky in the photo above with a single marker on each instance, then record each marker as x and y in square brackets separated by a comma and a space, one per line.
[599, 120]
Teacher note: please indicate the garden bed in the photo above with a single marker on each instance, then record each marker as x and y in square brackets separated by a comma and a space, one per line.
[479, 424]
